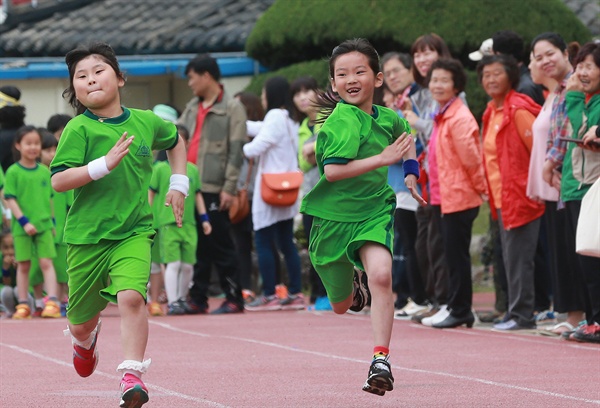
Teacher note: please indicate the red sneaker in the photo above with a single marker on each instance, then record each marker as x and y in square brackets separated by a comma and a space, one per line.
[85, 361]
[134, 393]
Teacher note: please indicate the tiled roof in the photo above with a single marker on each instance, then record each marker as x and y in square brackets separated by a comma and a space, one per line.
[140, 27]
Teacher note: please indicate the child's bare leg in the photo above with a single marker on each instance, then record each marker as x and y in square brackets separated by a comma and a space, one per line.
[49, 273]
[23, 279]
[134, 324]
[377, 261]
[343, 306]
[81, 332]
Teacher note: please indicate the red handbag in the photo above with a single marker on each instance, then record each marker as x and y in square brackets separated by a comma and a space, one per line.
[281, 189]
[240, 205]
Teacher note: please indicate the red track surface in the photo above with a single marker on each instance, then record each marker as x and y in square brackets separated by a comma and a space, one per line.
[299, 359]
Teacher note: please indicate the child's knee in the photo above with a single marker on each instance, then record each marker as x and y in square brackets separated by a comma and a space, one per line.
[130, 299]
[380, 277]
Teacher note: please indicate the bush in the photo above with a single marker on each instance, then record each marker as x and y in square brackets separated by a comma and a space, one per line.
[295, 31]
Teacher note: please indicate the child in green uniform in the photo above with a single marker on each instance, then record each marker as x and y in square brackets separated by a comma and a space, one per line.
[109, 226]
[29, 196]
[177, 247]
[60, 203]
[352, 203]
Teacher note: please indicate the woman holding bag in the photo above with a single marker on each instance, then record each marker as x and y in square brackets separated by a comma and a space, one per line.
[276, 147]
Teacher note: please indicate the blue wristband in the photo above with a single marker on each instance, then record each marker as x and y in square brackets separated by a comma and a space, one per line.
[411, 166]
[5, 273]
[204, 217]
[23, 221]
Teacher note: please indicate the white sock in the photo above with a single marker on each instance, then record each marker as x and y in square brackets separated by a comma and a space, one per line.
[136, 368]
[39, 303]
[171, 280]
[86, 344]
[185, 279]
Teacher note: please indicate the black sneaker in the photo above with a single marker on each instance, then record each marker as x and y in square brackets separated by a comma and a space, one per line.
[175, 309]
[228, 307]
[380, 377]
[362, 295]
[191, 307]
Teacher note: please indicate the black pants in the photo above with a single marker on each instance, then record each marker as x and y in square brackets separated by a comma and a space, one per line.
[587, 266]
[456, 234]
[429, 248]
[405, 226]
[216, 249]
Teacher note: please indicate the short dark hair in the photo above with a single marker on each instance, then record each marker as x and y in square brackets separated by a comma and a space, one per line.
[508, 62]
[454, 66]
[591, 48]
[405, 59]
[508, 42]
[48, 139]
[202, 63]
[58, 121]
[553, 38]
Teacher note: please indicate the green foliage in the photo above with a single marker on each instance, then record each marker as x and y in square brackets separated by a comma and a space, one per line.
[292, 31]
[317, 69]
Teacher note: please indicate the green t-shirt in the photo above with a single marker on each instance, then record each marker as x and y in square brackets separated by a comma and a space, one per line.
[115, 206]
[351, 134]
[159, 183]
[31, 188]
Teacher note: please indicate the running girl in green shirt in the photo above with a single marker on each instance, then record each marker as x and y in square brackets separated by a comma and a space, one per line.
[352, 204]
[109, 226]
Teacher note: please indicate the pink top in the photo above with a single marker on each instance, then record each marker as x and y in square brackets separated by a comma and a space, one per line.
[537, 188]
[435, 197]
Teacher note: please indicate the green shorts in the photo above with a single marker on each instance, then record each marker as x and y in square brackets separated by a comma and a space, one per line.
[97, 272]
[334, 249]
[156, 249]
[178, 244]
[37, 246]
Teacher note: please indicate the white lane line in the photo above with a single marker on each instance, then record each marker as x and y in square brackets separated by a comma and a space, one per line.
[166, 391]
[415, 370]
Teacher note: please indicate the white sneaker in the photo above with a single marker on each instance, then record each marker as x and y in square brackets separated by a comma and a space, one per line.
[439, 317]
[410, 309]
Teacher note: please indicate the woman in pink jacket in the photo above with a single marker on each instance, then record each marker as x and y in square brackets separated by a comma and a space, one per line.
[507, 143]
[456, 184]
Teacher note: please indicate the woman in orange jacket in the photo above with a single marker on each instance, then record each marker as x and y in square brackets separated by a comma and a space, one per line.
[456, 184]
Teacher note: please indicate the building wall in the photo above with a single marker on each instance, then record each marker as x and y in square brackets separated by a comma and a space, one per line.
[42, 98]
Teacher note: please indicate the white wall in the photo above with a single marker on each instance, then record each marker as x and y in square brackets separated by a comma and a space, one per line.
[42, 98]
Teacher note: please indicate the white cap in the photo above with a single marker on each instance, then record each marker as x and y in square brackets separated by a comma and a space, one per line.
[485, 49]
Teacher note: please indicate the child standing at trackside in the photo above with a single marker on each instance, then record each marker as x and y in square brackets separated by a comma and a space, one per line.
[177, 246]
[29, 197]
[352, 203]
[109, 226]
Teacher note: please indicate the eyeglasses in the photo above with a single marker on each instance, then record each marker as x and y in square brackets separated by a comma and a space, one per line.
[394, 71]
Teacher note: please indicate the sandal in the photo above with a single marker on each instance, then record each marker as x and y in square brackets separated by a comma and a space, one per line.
[557, 330]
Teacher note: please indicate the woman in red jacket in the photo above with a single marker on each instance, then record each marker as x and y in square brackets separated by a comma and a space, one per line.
[507, 142]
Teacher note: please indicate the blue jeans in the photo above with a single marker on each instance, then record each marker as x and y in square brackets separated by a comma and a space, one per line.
[279, 235]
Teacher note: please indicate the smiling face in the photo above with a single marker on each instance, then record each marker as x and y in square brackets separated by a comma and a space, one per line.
[30, 147]
[423, 60]
[397, 76]
[589, 75]
[355, 81]
[553, 62]
[495, 81]
[441, 86]
[97, 85]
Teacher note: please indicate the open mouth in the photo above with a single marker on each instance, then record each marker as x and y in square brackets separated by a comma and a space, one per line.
[353, 91]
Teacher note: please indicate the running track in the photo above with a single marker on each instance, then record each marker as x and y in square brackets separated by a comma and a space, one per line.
[299, 359]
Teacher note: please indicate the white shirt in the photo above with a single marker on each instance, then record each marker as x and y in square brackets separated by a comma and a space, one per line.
[276, 147]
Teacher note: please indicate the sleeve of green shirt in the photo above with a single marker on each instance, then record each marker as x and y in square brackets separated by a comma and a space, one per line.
[340, 138]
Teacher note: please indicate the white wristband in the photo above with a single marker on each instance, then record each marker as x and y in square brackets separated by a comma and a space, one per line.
[98, 168]
[181, 183]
